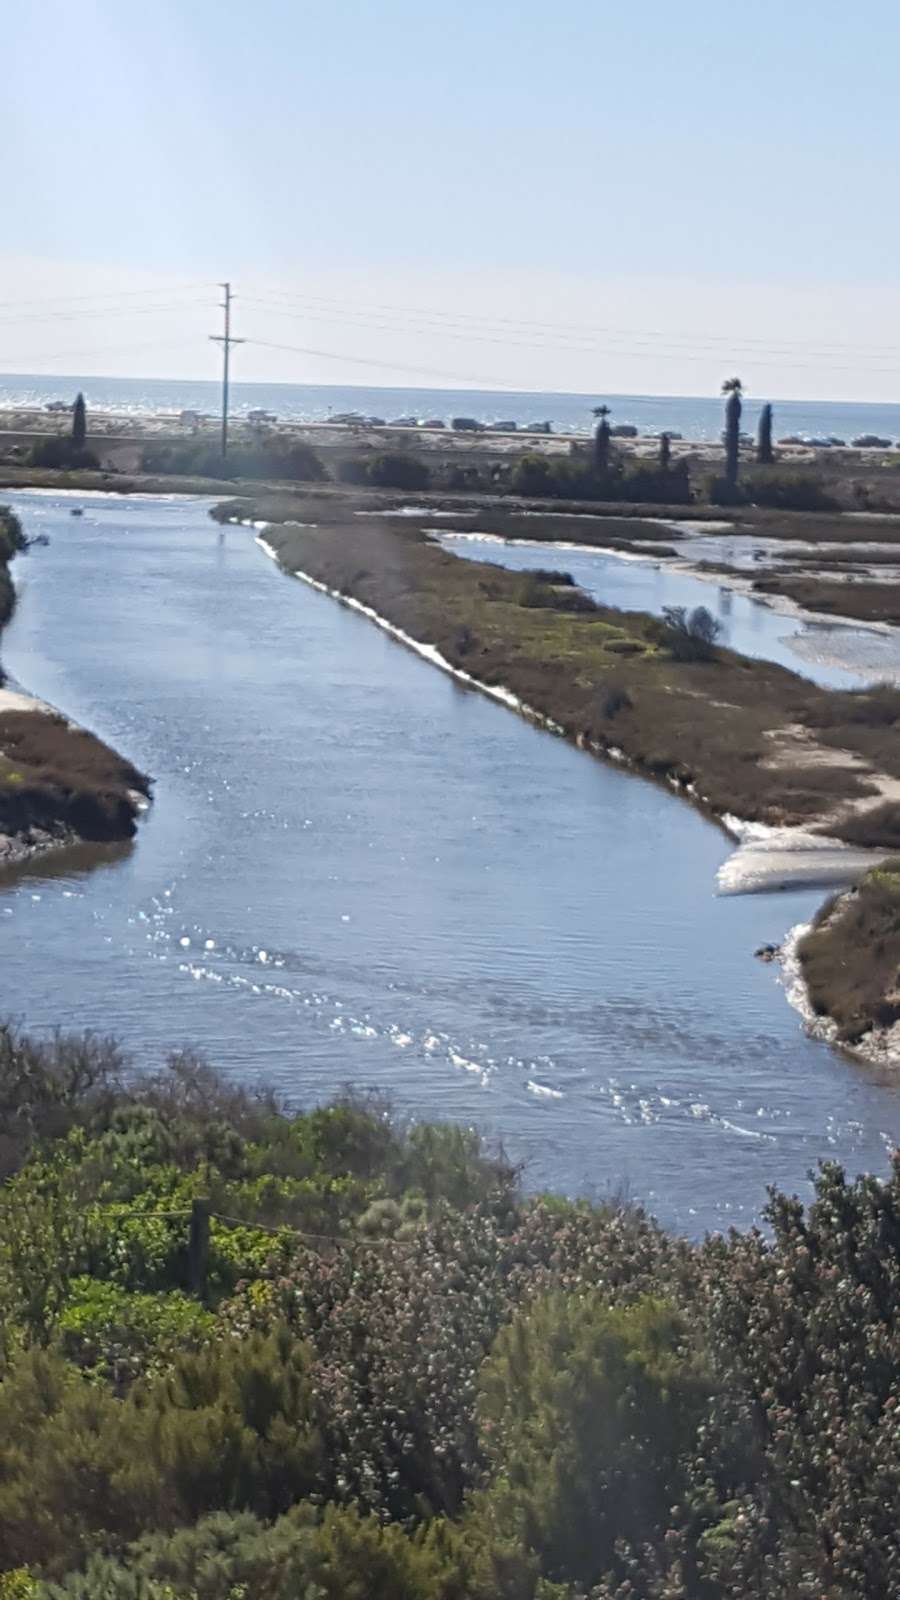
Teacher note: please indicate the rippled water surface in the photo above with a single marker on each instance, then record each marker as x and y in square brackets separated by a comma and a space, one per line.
[355, 871]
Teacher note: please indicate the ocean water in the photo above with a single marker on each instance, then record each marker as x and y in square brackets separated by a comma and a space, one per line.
[695, 417]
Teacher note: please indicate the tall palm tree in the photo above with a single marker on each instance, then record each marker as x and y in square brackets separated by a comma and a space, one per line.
[601, 441]
[733, 388]
[765, 455]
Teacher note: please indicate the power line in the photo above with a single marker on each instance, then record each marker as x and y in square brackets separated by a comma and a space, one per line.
[111, 294]
[692, 341]
[615, 346]
[100, 311]
[386, 366]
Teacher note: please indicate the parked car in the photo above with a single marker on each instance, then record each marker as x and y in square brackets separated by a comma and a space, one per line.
[59, 405]
[258, 417]
[502, 427]
[623, 430]
[871, 441]
[466, 425]
[541, 427]
[348, 419]
[404, 422]
[433, 422]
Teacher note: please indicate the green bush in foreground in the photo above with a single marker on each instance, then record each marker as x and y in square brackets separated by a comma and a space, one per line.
[461, 1394]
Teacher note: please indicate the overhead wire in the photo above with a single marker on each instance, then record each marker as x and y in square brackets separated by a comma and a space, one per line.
[616, 345]
[691, 341]
[109, 294]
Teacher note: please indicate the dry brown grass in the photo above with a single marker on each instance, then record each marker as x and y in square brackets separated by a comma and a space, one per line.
[851, 958]
[53, 775]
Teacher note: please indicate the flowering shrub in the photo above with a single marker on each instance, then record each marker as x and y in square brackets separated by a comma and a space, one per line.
[450, 1392]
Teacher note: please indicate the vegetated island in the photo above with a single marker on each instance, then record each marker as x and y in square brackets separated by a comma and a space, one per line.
[742, 738]
[59, 784]
[252, 1352]
[850, 961]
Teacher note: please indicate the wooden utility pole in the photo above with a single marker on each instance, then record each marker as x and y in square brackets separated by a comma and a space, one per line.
[226, 340]
[198, 1247]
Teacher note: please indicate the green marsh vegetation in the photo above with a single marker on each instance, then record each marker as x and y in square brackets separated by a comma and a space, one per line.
[453, 1392]
[696, 713]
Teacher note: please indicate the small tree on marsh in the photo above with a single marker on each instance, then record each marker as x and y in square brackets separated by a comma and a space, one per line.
[691, 635]
[732, 387]
[79, 422]
[764, 452]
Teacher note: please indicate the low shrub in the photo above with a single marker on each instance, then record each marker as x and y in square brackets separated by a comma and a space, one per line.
[396, 471]
[720, 492]
[274, 456]
[61, 451]
[851, 956]
[613, 698]
[784, 491]
[877, 706]
[533, 589]
[390, 470]
[878, 827]
[572, 478]
[114, 1332]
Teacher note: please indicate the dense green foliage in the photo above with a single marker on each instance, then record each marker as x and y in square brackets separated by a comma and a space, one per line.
[574, 478]
[452, 1392]
[388, 470]
[12, 540]
[61, 450]
[273, 456]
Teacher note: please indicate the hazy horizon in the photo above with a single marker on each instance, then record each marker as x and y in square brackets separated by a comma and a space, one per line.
[589, 395]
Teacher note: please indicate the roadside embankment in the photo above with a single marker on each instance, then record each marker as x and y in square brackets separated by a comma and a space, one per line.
[59, 784]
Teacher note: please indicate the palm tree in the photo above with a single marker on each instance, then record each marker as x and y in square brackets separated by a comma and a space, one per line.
[601, 441]
[734, 389]
[764, 452]
[79, 422]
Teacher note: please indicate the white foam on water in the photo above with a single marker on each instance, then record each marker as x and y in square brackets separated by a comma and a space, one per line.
[769, 858]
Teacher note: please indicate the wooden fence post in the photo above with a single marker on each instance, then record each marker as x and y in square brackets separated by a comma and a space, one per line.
[198, 1247]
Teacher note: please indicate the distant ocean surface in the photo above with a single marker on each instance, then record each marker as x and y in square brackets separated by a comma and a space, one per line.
[693, 417]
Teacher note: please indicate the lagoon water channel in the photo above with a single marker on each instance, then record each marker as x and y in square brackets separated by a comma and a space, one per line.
[357, 872]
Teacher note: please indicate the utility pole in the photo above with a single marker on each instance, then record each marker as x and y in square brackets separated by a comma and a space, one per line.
[226, 341]
[198, 1247]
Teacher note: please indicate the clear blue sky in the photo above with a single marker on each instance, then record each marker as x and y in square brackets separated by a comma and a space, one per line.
[683, 180]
